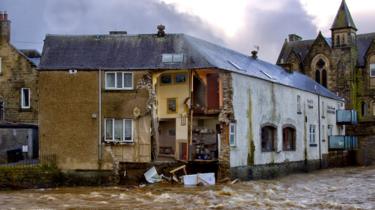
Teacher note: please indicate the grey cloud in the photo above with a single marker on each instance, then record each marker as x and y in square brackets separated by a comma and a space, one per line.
[31, 21]
[268, 29]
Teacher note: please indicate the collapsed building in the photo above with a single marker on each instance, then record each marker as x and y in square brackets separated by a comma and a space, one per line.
[150, 98]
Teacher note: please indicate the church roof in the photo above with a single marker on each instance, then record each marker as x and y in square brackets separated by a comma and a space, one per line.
[145, 52]
[364, 41]
[343, 18]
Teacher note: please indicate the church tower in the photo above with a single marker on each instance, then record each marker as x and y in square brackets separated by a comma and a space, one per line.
[344, 54]
[344, 31]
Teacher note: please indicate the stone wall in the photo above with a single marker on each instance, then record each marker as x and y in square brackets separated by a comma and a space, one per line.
[225, 117]
[17, 72]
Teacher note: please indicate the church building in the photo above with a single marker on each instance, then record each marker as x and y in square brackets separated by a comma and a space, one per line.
[344, 62]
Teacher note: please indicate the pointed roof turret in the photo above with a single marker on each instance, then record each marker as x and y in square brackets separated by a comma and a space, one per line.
[343, 18]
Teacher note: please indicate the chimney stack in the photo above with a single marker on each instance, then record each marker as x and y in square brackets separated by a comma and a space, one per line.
[161, 32]
[4, 27]
[294, 37]
[254, 54]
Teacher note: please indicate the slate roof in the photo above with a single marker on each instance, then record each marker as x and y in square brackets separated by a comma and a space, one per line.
[136, 52]
[302, 47]
[32, 55]
[343, 18]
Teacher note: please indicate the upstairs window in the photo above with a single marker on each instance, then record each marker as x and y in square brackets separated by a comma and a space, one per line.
[268, 135]
[118, 80]
[118, 130]
[289, 139]
[372, 70]
[299, 106]
[166, 79]
[25, 98]
[172, 58]
[232, 134]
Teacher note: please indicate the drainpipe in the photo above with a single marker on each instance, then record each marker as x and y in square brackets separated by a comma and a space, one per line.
[100, 155]
[320, 138]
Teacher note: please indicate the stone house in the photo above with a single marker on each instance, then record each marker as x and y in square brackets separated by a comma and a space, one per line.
[344, 62]
[18, 98]
[118, 98]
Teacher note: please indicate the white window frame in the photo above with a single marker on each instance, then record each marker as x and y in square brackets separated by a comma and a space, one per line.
[172, 57]
[232, 133]
[372, 68]
[312, 134]
[299, 105]
[123, 81]
[123, 130]
[23, 106]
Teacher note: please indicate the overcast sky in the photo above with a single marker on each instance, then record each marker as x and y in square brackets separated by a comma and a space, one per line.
[236, 24]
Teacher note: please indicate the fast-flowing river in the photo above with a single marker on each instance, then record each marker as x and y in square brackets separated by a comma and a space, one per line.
[344, 188]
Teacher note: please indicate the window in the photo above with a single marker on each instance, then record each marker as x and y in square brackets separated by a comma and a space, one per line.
[330, 130]
[25, 98]
[232, 134]
[118, 130]
[363, 108]
[323, 133]
[323, 110]
[180, 78]
[373, 108]
[268, 138]
[171, 105]
[324, 78]
[299, 108]
[166, 79]
[1, 70]
[317, 76]
[119, 80]
[312, 135]
[372, 70]
[289, 139]
[2, 110]
[172, 58]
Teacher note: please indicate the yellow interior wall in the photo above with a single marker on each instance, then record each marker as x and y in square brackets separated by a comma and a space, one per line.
[178, 91]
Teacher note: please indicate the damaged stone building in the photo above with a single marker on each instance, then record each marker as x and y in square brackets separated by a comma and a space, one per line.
[344, 62]
[150, 98]
[18, 99]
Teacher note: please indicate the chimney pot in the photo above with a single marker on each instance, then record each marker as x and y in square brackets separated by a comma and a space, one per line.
[254, 54]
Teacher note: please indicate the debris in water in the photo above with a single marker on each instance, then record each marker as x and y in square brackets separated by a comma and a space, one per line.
[152, 176]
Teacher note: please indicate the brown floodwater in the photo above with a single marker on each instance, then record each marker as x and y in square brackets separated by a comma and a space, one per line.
[343, 188]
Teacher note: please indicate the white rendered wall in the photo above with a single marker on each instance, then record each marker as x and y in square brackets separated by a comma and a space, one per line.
[277, 105]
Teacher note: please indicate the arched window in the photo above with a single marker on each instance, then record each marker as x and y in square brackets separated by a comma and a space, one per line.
[289, 138]
[317, 76]
[268, 138]
[324, 78]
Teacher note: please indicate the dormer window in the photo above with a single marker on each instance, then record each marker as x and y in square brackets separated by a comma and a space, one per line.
[172, 58]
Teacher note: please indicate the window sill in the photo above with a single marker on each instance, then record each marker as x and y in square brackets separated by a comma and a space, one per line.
[120, 90]
[289, 150]
[268, 151]
[313, 145]
[119, 143]
[25, 109]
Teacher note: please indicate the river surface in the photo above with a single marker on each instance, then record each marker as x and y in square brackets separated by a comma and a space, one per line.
[343, 188]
